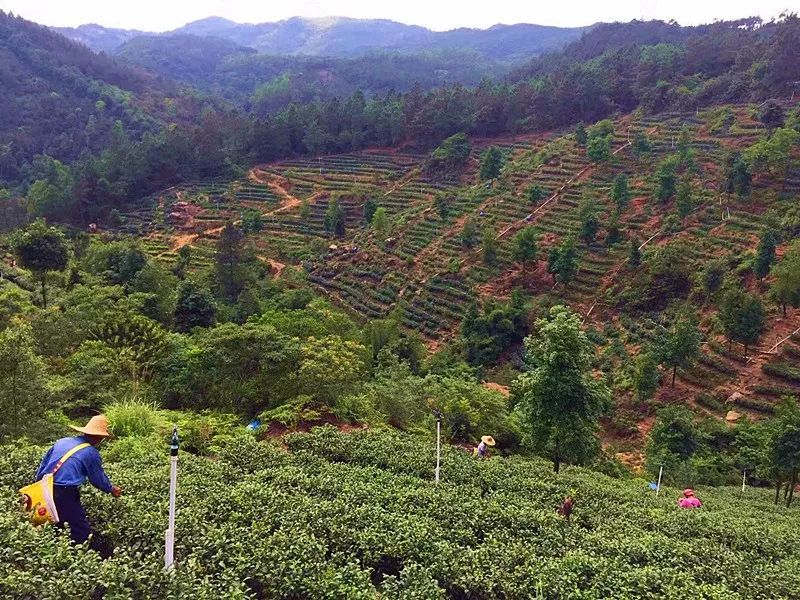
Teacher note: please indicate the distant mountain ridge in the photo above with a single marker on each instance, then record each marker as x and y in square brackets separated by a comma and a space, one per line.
[346, 37]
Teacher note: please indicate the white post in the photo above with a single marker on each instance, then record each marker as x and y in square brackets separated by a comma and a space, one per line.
[658, 485]
[438, 447]
[169, 536]
[744, 479]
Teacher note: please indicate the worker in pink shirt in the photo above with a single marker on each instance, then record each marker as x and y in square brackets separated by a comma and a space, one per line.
[689, 500]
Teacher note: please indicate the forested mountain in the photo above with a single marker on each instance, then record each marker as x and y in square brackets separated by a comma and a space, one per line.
[265, 83]
[344, 37]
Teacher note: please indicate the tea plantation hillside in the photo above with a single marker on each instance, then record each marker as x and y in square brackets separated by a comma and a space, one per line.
[357, 515]
[426, 259]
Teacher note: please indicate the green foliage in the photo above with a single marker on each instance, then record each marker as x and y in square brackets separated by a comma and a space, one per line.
[370, 206]
[489, 246]
[535, 193]
[41, 249]
[666, 178]
[116, 262]
[645, 375]
[772, 155]
[194, 307]
[620, 192]
[562, 261]
[765, 254]
[785, 290]
[469, 233]
[525, 250]
[450, 157]
[558, 398]
[252, 221]
[131, 418]
[380, 221]
[231, 260]
[685, 202]
[680, 345]
[491, 164]
[23, 385]
[589, 221]
[713, 275]
[634, 254]
[598, 149]
[580, 134]
[335, 218]
[736, 175]
[500, 325]
[742, 316]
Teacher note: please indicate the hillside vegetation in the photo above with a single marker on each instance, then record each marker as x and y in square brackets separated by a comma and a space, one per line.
[357, 516]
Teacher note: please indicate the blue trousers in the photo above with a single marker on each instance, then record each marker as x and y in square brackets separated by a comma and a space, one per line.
[71, 512]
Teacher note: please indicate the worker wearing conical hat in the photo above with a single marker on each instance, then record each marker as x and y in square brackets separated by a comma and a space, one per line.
[483, 447]
[73, 471]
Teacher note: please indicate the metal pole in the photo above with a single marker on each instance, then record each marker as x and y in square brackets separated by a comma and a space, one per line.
[658, 485]
[438, 447]
[744, 479]
[169, 536]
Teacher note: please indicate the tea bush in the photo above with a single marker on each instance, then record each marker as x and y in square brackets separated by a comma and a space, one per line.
[357, 516]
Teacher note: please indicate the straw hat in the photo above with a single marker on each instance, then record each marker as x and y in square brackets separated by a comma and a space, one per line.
[97, 425]
[488, 440]
[688, 492]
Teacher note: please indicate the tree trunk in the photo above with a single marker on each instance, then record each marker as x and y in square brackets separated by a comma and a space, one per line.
[792, 483]
[745, 351]
[44, 294]
[778, 491]
[784, 309]
[730, 344]
[674, 369]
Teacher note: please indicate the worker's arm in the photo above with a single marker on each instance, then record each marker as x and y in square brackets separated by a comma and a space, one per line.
[43, 464]
[97, 476]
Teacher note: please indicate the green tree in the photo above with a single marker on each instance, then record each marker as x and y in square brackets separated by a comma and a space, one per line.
[590, 223]
[450, 157]
[785, 288]
[370, 206]
[785, 445]
[535, 193]
[330, 367]
[684, 203]
[641, 144]
[772, 115]
[765, 255]
[645, 376]
[620, 192]
[194, 307]
[580, 134]
[442, 205]
[469, 233]
[525, 249]
[562, 262]
[491, 164]
[742, 316]
[736, 176]
[41, 250]
[559, 400]
[598, 149]
[634, 254]
[613, 233]
[252, 221]
[773, 155]
[489, 246]
[335, 218]
[680, 346]
[230, 263]
[666, 178]
[380, 221]
[674, 439]
[23, 392]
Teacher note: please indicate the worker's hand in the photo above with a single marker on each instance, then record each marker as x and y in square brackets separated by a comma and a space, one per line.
[116, 491]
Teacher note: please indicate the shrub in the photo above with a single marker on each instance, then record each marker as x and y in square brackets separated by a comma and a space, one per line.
[131, 418]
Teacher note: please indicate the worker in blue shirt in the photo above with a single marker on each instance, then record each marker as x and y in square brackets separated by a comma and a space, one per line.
[74, 471]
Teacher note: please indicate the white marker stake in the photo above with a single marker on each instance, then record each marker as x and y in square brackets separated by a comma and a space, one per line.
[169, 536]
[744, 479]
[658, 485]
[438, 447]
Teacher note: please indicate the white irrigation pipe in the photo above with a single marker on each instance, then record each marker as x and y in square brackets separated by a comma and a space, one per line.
[658, 485]
[169, 536]
[744, 479]
[438, 448]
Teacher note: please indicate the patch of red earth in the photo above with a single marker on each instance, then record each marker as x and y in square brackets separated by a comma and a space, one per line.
[496, 387]
[277, 430]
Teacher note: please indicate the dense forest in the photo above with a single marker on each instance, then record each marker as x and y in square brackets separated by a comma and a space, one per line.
[166, 135]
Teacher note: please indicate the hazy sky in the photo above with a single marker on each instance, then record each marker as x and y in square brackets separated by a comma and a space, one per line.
[163, 15]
